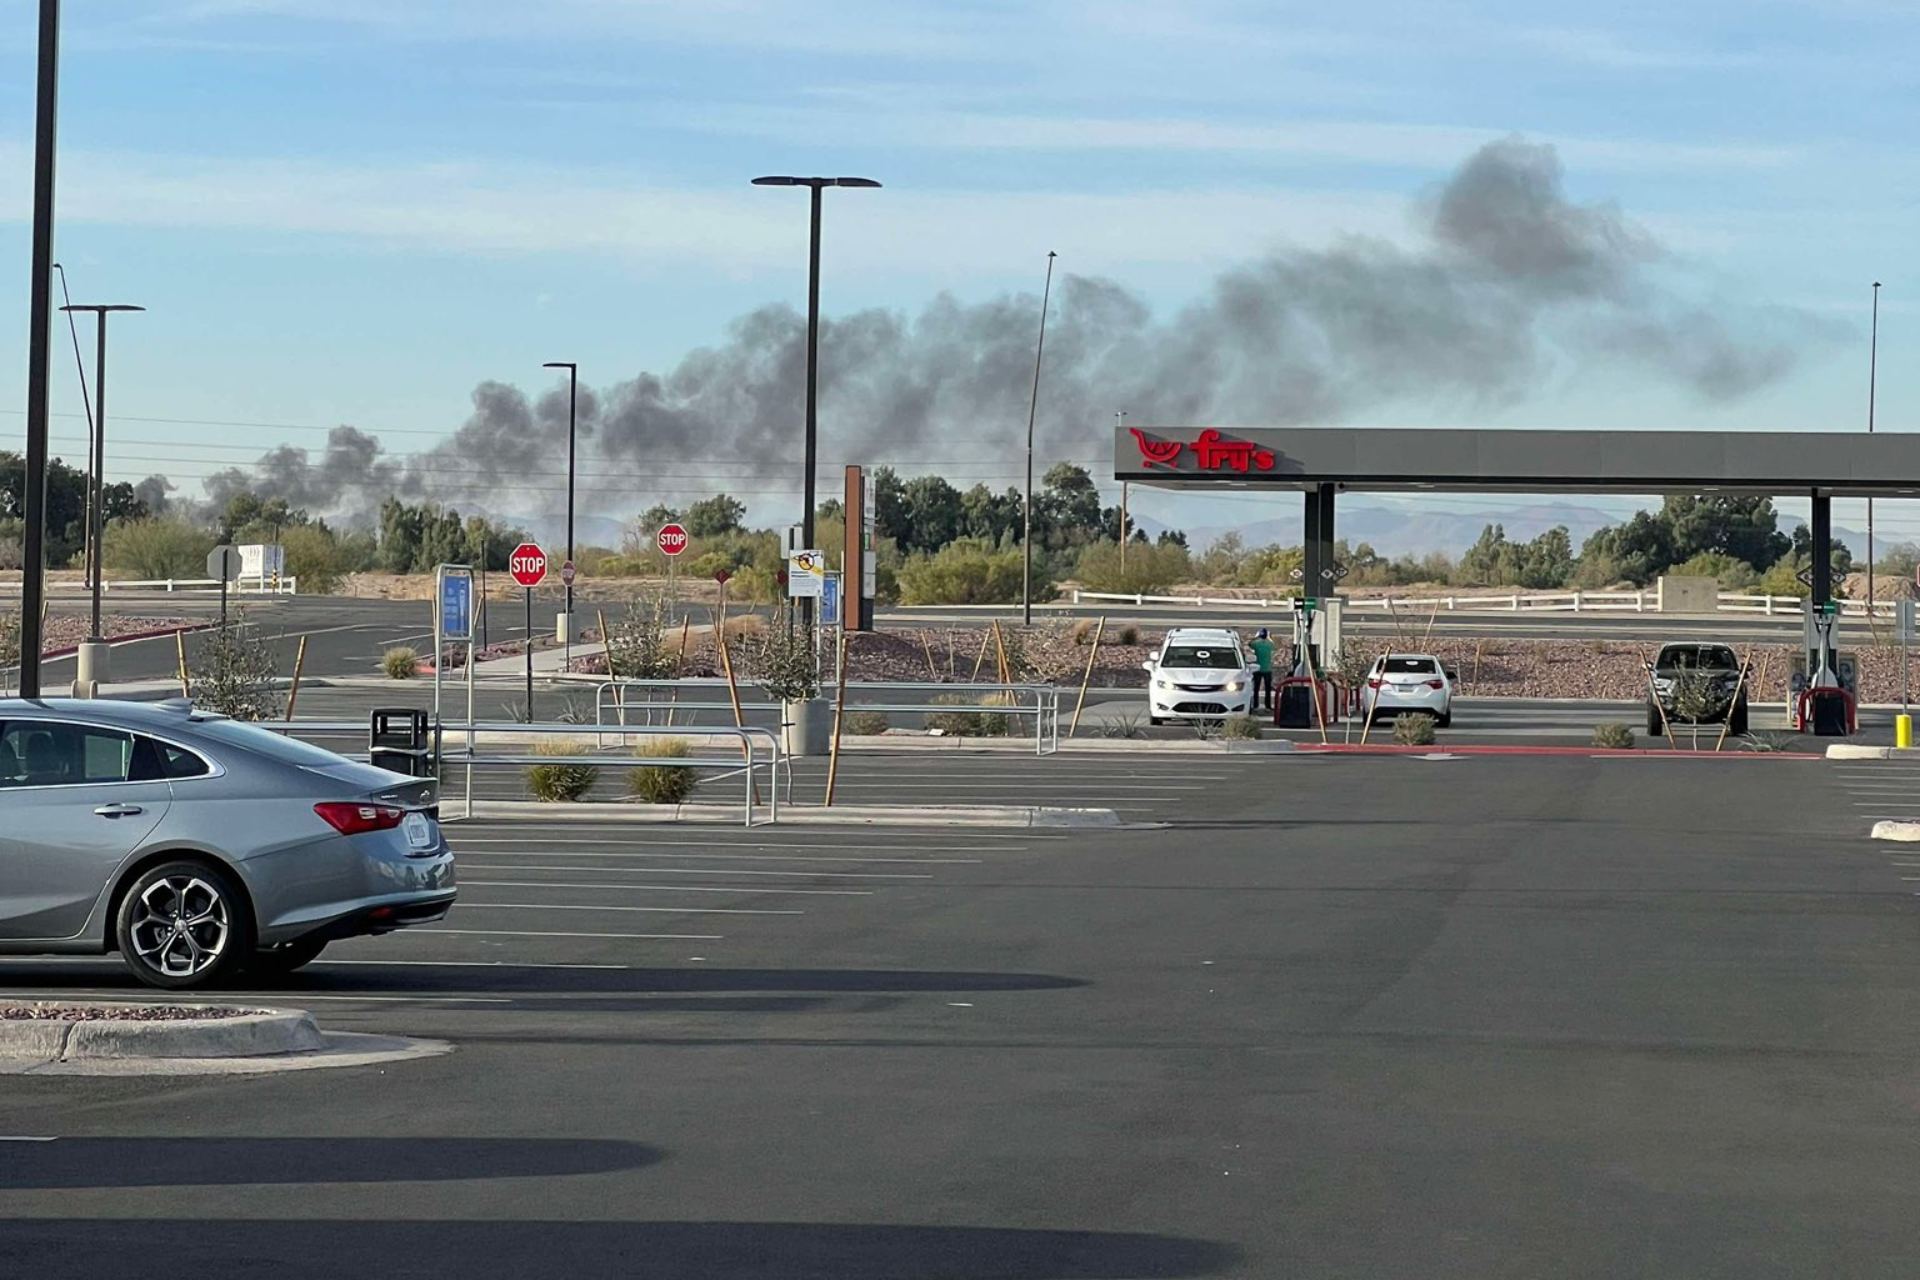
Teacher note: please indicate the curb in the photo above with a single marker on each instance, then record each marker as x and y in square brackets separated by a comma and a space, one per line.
[1594, 753]
[67, 651]
[872, 815]
[265, 1033]
[1896, 829]
[1853, 751]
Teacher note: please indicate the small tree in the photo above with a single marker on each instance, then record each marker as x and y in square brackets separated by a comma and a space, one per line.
[781, 661]
[9, 644]
[638, 642]
[235, 673]
[1694, 699]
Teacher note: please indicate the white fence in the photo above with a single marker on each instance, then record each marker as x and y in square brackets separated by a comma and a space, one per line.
[1645, 601]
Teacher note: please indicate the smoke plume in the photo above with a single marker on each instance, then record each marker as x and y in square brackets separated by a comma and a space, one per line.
[1508, 284]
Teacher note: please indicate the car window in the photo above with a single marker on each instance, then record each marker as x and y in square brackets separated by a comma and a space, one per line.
[1408, 666]
[265, 742]
[1185, 655]
[154, 760]
[50, 753]
[1706, 657]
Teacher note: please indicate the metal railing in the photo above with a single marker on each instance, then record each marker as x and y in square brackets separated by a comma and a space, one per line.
[282, 586]
[1041, 701]
[473, 753]
[1642, 601]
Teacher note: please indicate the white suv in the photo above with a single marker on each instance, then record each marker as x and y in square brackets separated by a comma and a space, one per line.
[1200, 673]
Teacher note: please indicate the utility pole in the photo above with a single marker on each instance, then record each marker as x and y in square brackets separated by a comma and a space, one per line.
[1033, 405]
[33, 539]
[573, 405]
[86, 405]
[1120, 420]
[1873, 377]
[92, 666]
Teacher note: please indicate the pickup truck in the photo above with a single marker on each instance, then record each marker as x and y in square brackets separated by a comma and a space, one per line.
[1716, 665]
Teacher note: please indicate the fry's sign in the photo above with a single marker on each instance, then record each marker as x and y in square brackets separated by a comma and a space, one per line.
[1211, 451]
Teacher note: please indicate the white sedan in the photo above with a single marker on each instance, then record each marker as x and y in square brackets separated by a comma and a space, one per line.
[1401, 682]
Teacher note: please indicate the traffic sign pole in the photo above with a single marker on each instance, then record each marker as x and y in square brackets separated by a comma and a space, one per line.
[529, 655]
[528, 565]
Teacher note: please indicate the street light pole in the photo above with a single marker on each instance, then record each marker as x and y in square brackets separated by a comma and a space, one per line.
[1120, 420]
[1873, 377]
[86, 405]
[93, 661]
[1033, 405]
[573, 404]
[816, 185]
[33, 539]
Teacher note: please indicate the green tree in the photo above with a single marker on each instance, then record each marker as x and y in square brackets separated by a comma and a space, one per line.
[400, 527]
[997, 517]
[1149, 569]
[968, 571]
[1746, 528]
[1067, 512]
[1637, 551]
[713, 516]
[933, 513]
[150, 549]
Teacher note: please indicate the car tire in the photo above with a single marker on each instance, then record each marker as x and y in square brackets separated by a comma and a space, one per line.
[277, 962]
[183, 925]
[1444, 720]
[1737, 721]
[1656, 727]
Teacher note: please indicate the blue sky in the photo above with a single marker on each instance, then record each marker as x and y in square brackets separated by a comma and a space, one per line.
[342, 211]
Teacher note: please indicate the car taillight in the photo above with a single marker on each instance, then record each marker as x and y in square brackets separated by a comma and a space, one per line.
[1375, 684]
[352, 819]
[1436, 684]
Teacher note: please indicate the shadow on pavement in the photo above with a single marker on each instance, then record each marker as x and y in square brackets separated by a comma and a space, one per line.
[166, 1249]
[71, 1163]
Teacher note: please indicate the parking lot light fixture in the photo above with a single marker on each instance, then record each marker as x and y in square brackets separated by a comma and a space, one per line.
[97, 523]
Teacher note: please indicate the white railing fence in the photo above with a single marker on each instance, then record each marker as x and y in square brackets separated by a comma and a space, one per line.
[1643, 601]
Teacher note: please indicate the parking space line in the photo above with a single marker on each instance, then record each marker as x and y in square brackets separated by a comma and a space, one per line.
[665, 911]
[703, 871]
[663, 888]
[549, 836]
[503, 964]
[746, 857]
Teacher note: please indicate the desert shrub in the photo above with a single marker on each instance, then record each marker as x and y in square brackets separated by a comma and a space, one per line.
[1128, 634]
[968, 571]
[1149, 569]
[638, 644]
[402, 662]
[9, 639]
[147, 549]
[1414, 729]
[662, 784]
[1612, 737]
[865, 724]
[1732, 573]
[746, 624]
[1125, 726]
[976, 721]
[1240, 728]
[235, 673]
[559, 782]
[315, 557]
[780, 659]
[1081, 630]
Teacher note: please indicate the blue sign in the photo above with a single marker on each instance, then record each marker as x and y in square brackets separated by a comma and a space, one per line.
[830, 600]
[456, 603]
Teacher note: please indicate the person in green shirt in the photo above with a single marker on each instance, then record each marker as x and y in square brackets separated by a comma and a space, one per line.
[1262, 668]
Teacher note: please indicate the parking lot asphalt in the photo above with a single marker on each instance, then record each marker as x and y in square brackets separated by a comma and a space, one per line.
[1379, 1016]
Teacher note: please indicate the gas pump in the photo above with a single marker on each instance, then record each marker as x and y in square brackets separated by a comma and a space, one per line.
[1316, 633]
[1820, 696]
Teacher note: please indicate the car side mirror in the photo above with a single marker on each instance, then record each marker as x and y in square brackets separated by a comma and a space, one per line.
[1146, 666]
[1453, 675]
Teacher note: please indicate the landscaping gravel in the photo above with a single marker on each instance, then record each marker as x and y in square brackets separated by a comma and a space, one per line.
[118, 1013]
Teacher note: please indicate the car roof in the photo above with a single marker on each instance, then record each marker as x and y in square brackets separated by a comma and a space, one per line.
[175, 713]
[1398, 654]
[1201, 635]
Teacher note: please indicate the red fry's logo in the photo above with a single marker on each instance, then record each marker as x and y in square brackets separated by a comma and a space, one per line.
[1156, 453]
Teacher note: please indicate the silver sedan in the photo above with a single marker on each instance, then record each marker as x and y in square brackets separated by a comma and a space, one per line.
[198, 846]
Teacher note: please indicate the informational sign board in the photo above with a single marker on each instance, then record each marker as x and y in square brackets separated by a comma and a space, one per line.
[868, 585]
[528, 565]
[223, 564]
[454, 617]
[672, 539]
[830, 600]
[1903, 614]
[568, 572]
[263, 562]
[806, 571]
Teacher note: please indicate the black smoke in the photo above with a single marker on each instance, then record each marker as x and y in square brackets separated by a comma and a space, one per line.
[1509, 284]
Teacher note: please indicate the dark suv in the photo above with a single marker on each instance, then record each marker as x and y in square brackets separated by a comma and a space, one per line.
[1716, 667]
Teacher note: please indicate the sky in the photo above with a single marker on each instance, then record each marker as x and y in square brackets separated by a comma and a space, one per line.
[349, 212]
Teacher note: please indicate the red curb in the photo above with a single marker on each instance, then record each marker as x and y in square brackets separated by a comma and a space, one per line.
[1596, 753]
[69, 650]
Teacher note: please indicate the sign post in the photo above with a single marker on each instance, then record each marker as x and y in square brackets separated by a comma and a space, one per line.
[223, 562]
[528, 565]
[453, 625]
[672, 541]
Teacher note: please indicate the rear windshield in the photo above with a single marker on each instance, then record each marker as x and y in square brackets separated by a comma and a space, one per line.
[274, 746]
[1408, 666]
[1189, 655]
[1705, 657]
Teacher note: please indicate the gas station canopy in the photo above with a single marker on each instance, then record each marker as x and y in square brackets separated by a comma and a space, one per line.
[1830, 464]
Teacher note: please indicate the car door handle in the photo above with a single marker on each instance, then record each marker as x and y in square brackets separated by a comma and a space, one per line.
[119, 810]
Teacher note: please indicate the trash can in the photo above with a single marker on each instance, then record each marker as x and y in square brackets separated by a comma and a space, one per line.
[1293, 709]
[398, 739]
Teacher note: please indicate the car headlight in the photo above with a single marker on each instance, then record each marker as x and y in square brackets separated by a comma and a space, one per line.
[1235, 686]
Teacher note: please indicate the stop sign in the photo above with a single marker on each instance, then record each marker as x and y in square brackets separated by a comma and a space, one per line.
[672, 539]
[528, 564]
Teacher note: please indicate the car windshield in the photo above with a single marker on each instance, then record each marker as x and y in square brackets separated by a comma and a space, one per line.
[1408, 666]
[1225, 657]
[274, 746]
[1705, 657]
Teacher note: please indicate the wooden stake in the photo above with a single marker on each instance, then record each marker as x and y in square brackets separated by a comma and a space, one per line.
[740, 720]
[986, 638]
[926, 643]
[180, 646]
[1476, 662]
[1430, 621]
[1000, 649]
[1098, 631]
[1726, 725]
[686, 628]
[1666, 725]
[299, 663]
[839, 716]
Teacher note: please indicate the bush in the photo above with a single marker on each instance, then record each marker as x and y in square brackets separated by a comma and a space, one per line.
[559, 782]
[10, 639]
[974, 722]
[1128, 634]
[315, 557]
[1241, 728]
[663, 784]
[1414, 729]
[968, 571]
[235, 673]
[1081, 630]
[402, 662]
[1613, 737]
[1149, 569]
[638, 646]
[1733, 574]
[147, 549]
[865, 724]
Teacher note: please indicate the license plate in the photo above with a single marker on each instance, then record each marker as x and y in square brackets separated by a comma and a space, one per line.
[1405, 688]
[419, 829]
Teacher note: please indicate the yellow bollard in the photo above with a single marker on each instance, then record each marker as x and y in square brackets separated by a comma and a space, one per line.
[1903, 731]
